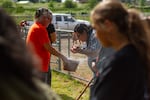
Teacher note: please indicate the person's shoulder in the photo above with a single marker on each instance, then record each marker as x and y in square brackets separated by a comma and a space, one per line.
[39, 27]
[35, 26]
[128, 56]
[128, 51]
[93, 38]
[50, 25]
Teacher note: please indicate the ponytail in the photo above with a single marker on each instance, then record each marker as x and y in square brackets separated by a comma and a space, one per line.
[138, 36]
[137, 33]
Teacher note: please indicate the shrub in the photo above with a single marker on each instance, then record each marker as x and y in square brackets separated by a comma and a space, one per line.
[10, 10]
[92, 3]
[19, 9]
[51, 4]
[7, 4]
[70, 4]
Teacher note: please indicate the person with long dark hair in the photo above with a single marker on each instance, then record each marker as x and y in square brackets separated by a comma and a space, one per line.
[18, 78]
[126, 77]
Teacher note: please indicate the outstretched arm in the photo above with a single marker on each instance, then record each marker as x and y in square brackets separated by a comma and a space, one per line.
[53, 51]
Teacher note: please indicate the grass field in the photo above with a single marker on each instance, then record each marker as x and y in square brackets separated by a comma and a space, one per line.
[68, 88]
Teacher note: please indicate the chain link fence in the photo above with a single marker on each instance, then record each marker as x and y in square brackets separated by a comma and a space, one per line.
[63, 45]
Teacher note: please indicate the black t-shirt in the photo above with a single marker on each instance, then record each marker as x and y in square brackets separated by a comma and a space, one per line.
[122, 79]
[50, 29]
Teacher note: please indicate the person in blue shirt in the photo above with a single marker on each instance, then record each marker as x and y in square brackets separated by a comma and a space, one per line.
[85, 34]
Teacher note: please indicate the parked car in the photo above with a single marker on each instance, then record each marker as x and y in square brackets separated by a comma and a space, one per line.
[63, 21]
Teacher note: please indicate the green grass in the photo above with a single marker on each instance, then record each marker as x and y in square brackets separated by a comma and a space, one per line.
[67, 87]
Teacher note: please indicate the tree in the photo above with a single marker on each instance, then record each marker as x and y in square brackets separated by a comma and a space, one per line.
[51, 4]
[141, 2]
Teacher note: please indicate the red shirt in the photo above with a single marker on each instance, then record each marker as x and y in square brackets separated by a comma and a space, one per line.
[38, 36]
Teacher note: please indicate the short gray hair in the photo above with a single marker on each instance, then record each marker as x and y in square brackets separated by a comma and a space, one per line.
[42, 11]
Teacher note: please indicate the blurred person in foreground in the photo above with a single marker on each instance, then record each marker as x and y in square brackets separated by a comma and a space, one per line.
[18, 79]
[126, 76]
[38, 39]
